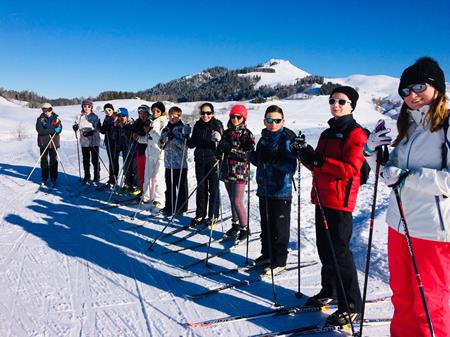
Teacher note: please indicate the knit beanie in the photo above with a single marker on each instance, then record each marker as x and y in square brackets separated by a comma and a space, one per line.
[122, 112]
[425, 70]
[351, 93]
[160, 106]
[87, 102]
[240, 110]
[108, 106]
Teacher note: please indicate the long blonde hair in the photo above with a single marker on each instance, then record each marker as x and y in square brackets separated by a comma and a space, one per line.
[435, 117]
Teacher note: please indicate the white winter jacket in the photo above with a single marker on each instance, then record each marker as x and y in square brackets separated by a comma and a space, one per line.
[89, 134]
[426, 192]
[154, 151]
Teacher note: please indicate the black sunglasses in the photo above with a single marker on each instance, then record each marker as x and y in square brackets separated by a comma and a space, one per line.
[341, 102]
[417, 88]
[238, 117]
[206, 113]
[273, 120]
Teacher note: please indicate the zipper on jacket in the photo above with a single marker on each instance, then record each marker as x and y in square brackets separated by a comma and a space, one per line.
[347, 191]
[438, 205]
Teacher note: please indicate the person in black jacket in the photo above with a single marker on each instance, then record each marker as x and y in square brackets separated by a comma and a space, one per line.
[48, 127]
[206, 135]
[107, 129]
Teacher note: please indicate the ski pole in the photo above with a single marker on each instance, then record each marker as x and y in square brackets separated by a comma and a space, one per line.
[380, 154]
[333, 254]
[298, 294]
[214, 218]
[39, 159]
[269, 236]
[248, 213]
[413, 259]
[60, 161]
[123, 171]
[100, 159]
[78, 149]
[170, 221]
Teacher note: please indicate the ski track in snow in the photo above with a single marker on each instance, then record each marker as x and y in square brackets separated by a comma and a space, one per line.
[69, 271]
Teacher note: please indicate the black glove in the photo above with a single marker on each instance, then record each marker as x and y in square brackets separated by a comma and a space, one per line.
[309, 156]
[99, 125]
[75, 127]
[88, 133]
[298, 143]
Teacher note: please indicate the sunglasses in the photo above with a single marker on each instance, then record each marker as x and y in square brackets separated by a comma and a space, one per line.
[206, 113]
[87, 106]
[46, 109]
[417, 88]
[156, 110]
[236, 117]
[273, 120]
[341, 102]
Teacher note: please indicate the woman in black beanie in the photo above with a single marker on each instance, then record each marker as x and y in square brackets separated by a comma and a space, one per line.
[418, 167]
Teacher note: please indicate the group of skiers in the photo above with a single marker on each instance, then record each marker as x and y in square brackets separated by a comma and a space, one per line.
[154, 147]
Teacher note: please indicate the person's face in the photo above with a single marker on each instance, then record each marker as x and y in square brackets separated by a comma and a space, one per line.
[341, 105]
[416, 100]
[156, 113]
[174, 118]
[47, 111]
[87, 109]
[206, 114]
[236, 120]
[109, 112]
[143, 115]
[273, 121]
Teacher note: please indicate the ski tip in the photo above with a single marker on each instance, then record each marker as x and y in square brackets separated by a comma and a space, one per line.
[196, 325]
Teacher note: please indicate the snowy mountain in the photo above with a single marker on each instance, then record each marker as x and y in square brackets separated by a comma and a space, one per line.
[70, 266]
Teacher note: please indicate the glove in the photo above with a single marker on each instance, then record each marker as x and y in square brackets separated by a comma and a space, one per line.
[215, 136]
[58, 130]
[99, 125]
[298, 143]
[44, 124]
[75, 127]
[393, 176]
[186, 131]
[88, 133]
[378, 137]
[309, 156]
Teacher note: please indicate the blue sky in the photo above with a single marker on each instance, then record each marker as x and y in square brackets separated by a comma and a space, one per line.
[80, 48]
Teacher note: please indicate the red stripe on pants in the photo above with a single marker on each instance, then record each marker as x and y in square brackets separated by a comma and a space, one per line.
[433, 261]
[140, 162]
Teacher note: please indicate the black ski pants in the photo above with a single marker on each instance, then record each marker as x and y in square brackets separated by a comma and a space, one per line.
[207, 190]
[278, 212]
[90, 154]
[172, 177]
[340, 226]
[46, 167]
[129, 164]
[111, 152]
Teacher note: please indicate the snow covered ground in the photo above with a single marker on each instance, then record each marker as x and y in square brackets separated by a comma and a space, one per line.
[68, 269]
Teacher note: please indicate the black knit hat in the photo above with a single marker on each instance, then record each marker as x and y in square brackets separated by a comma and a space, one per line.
[108, 106]
[425, 70]
[351, 93]
[159, 105]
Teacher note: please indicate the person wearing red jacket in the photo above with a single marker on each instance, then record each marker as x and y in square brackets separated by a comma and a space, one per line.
[336, 164]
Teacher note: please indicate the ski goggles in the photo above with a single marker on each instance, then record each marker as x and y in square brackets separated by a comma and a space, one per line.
[417, 88]
[47, 109]
[206, 113]
[109, 110]
[273, 120]
[341, 102]
[238, 117]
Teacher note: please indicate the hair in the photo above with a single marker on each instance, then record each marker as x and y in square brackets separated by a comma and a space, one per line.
[274, 108]
[207, 105]
[174, 110]
[434, 117]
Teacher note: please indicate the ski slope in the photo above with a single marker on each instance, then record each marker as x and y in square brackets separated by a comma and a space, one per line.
[69, 268]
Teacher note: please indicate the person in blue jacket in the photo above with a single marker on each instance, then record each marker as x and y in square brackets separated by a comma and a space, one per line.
[276, 165]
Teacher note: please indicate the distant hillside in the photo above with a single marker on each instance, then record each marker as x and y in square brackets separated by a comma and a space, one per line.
[274, 78]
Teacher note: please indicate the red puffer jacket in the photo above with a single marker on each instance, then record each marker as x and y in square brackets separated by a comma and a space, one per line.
[338, 179]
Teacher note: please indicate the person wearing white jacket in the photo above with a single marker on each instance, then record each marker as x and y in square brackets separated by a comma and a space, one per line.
[419, 167]
[154, 182]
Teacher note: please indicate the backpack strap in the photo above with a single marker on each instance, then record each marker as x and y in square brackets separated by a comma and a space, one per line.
[446, 144]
